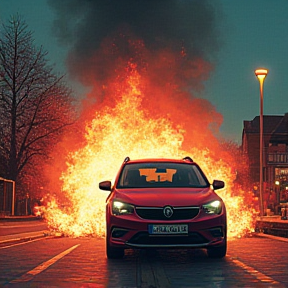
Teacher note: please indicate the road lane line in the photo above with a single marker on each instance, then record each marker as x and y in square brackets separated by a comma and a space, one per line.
[29, 275]
[260, 276]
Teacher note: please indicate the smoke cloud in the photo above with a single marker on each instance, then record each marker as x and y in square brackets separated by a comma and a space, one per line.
[172, 44]
[83, 25]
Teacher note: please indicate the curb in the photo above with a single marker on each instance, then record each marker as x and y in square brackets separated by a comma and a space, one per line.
[26, 236]
[19, 218]
[263, 235]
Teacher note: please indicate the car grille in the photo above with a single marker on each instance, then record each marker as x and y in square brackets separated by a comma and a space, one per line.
[143, 238]
[179, 213]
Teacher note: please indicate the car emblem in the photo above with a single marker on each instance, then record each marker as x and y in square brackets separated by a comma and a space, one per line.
[167, 211]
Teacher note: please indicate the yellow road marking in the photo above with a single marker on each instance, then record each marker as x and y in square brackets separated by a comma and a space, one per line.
[29, 275]
[260, 276]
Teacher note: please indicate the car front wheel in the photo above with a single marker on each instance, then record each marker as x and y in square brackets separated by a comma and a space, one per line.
[217, 252]
[113, 253]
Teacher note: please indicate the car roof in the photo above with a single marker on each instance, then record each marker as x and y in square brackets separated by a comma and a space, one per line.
[149, 160]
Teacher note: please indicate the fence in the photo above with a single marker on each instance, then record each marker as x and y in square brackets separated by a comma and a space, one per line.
[7, 197]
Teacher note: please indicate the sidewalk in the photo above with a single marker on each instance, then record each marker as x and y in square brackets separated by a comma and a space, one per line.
[26, 236]
[272, 225]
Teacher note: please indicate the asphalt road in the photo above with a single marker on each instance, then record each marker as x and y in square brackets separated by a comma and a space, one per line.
[53, 261]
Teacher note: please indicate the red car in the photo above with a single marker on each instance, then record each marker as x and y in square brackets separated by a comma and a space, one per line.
[164, 203]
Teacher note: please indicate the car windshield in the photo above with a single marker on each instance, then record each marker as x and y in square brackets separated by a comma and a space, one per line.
[161, 174]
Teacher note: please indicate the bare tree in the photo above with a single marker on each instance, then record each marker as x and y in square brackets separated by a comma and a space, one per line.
[35, 104]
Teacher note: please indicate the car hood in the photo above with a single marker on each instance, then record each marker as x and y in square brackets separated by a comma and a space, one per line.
[160, 197]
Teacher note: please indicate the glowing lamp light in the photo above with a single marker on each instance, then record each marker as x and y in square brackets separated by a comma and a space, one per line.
[277, 183]
[261, 73]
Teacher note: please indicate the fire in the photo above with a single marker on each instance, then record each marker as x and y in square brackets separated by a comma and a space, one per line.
[127, 128]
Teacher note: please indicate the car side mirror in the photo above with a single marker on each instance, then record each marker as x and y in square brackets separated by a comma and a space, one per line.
[218, 184]
[105, 185]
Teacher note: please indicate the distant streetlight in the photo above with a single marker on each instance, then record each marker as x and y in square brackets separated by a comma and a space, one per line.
[261, 73]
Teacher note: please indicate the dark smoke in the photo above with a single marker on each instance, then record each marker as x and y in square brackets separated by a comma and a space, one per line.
[173, 44]
[83, 24]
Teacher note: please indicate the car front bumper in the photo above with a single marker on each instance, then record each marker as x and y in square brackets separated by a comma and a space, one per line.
[131, 232]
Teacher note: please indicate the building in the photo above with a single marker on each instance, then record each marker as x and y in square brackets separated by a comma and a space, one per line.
[275, 156]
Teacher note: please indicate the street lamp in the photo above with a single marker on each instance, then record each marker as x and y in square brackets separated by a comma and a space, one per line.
[261, 73]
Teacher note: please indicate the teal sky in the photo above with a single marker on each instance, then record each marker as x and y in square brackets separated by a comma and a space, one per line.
[254, 34]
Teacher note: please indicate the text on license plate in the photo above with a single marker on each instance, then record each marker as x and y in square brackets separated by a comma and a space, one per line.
[168, 229]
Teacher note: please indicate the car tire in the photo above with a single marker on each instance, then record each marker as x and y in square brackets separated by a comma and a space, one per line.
[217, 252]
[114, 253]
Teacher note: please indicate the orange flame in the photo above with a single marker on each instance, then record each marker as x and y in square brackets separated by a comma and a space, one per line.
[126, 128]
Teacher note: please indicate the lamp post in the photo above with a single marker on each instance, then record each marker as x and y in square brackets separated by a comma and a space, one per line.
[277, 183]
[261, 73]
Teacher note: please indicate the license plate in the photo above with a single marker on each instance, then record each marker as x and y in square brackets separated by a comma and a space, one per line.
[168, 229]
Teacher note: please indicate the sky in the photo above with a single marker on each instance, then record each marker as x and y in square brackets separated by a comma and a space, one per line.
[250, 34]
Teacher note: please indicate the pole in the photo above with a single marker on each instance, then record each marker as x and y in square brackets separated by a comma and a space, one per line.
[261, 74]
[261, 149]
[13, 199]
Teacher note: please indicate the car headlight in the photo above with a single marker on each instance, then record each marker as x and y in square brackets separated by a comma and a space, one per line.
[214, 207]
[121, 208]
